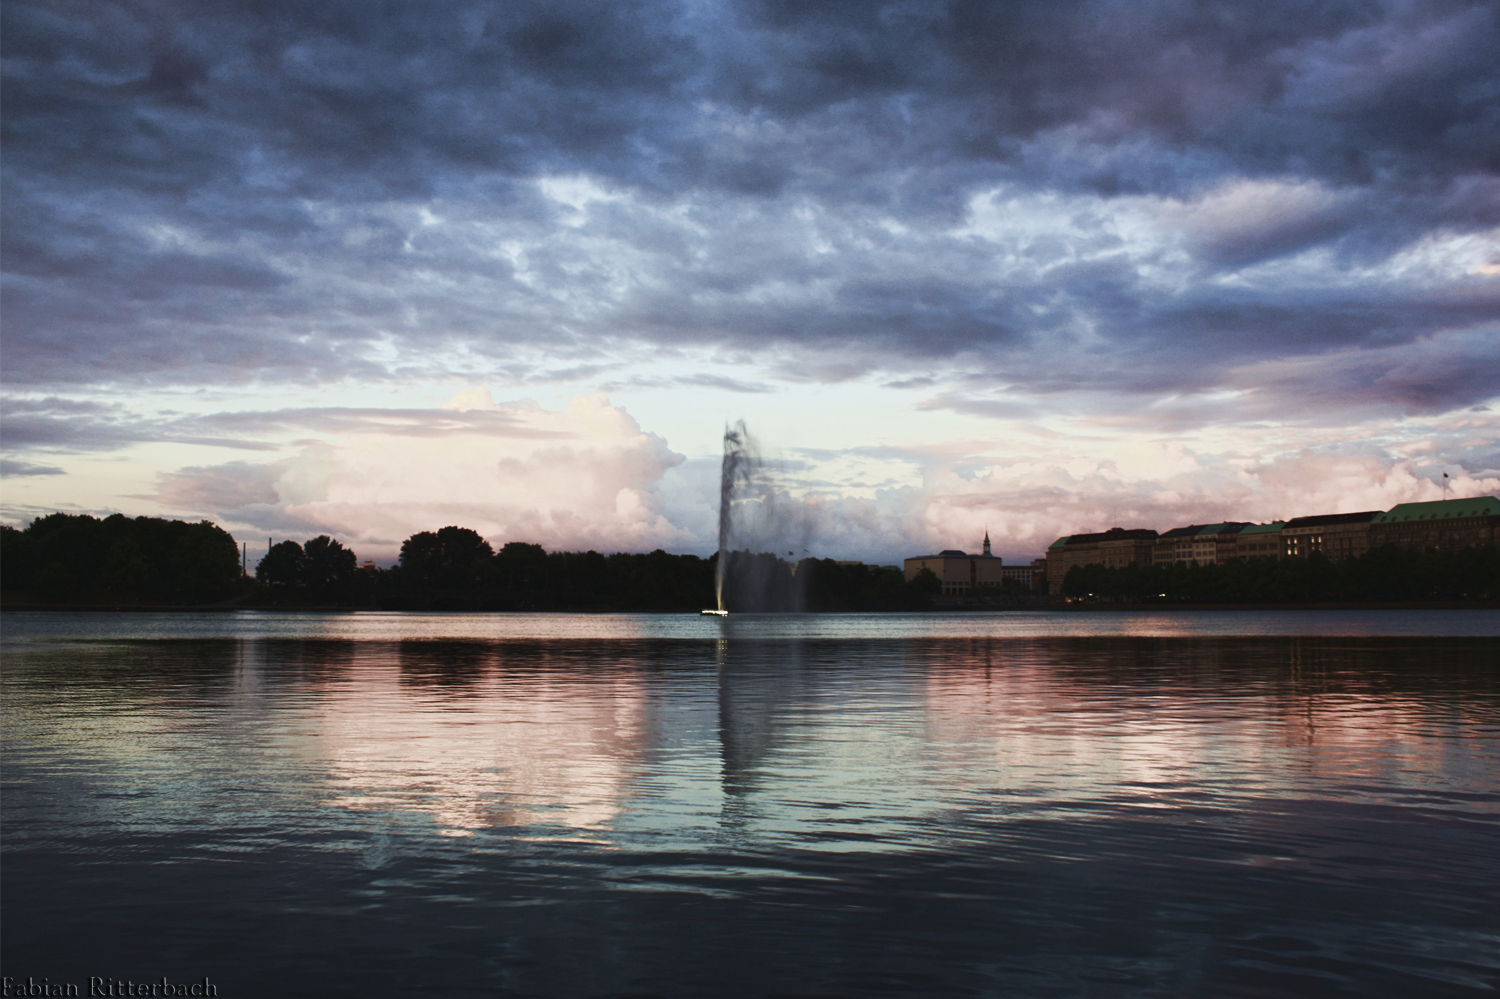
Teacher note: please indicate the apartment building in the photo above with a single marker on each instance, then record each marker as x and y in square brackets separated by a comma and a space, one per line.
[1442, 524]
[1115, 547]
[1337, 535]
[1198, 544]
[1260, 541]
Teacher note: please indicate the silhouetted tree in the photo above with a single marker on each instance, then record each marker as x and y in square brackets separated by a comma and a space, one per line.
[521, 571]
[836, 587]
[923, 587]
[281, 568]
[454, 558]
[328, 569]
[204, 559]
[76, 557]
[127, 569]
[20, 559]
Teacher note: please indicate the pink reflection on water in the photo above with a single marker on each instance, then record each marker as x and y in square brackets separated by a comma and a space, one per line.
[1050, 725]
[548, 751]
[1010, 725]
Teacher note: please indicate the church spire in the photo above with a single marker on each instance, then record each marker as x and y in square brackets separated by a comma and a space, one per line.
[986, 540]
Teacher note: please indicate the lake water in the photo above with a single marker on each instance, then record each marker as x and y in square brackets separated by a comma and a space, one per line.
[1194, 804]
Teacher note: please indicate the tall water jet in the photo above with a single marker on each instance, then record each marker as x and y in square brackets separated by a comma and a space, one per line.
[748, 576]
[737, 462]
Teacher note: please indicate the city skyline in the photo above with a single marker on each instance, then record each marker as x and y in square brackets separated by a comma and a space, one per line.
[1036, 269]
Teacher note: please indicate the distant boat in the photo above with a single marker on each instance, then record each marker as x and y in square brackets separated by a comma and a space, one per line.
[715, 613]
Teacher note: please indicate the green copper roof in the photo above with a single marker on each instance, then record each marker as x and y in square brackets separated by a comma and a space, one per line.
[1060, 542]
[1230, 527]
[1480, 506]
[1263, 528]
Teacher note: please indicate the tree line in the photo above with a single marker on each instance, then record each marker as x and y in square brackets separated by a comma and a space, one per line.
[147, 561]
[1383, 574]
[77, 559]
[457, 569]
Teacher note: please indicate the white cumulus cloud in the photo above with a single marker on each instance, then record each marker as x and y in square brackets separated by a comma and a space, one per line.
[582, 477]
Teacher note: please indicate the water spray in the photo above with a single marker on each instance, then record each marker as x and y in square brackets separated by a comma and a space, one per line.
[740, 462]
[752, 524]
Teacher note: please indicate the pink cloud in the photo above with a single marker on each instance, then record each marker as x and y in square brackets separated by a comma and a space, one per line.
[583, 477]
[589, 476]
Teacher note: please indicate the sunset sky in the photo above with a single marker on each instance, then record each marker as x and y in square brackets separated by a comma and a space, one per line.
[366, 269]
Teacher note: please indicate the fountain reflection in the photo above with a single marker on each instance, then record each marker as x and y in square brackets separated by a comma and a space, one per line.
[759, 683]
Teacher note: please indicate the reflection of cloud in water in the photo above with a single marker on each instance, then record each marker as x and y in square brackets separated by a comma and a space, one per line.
[537, 752]
[1002, 726]
[1152, 721]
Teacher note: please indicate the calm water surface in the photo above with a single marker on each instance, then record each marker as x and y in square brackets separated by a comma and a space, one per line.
[1209, 804]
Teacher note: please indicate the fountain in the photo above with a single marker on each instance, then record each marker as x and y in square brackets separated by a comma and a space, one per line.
[747, 576]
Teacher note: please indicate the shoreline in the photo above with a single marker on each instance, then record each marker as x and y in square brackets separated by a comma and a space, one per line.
[1073, 608]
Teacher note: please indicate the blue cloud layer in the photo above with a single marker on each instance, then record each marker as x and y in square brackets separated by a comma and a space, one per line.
[303, 192]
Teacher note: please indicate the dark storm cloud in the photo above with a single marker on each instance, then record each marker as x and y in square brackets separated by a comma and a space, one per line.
[73, 426]
[304, 192]
[689, 381]
[70, 426]
[1432, 375]
[9, 467]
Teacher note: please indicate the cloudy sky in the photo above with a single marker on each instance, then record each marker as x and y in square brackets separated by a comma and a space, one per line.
[369, 268]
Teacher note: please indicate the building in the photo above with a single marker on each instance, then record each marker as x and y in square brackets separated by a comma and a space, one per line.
[1260, 541]
[1027, 576]
[1337, 535]
[1115, 547]
[959, 571]
[1224, 541]
[1442, 524]
[1199, 544]
[1175, 545]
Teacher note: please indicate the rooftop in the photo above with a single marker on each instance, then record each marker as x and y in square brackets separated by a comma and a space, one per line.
[1327, 519]
[1113, 534]
[1478, 506]
[1228, 527]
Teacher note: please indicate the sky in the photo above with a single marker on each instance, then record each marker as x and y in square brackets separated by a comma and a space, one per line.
[1036, 268]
